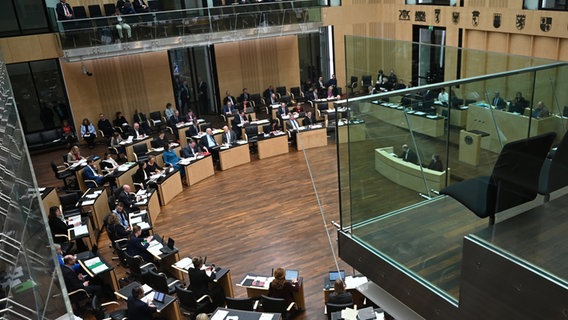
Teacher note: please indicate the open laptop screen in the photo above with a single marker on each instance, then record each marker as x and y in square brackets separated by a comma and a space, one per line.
[291, 274]
[334, 275]
[159, 296]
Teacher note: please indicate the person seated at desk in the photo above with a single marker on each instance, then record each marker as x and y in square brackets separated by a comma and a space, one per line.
[141, 119]
[399, 85]
[105, 126]
[171, 159]
[68, 133]
[138, 309]
[142, 174]
[298, 108]
[122, 214]
[208, 142]
[245, 96]
[152, 166]
[313, 95]
[229, 137]
[160, 141]
[108, 164]
[498, 102]
[88, 133]
[229, 108]
[123, 195]
[91, 173]
[293, 124]
[309, 120]
[540, 111]
[199, 282]
[137, 246]
[518, 104]
[115, 229]
[282, 111]
[191, 150]
[75, 281]
[193, 130]
[272, 128]
[137, 132]
[191, 116]
[115, 143]
[241, 120]
[74, 155]
[339, 295]
[169, 112]
[436, 163]
[280, 288]
[58, 225]
[174, 121]
[229, 97]
[59, 252]
[443, 97]
[408, 155]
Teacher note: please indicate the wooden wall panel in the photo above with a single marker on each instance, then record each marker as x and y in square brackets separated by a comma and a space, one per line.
[545, 47]
[520, 44]
[123, 84]
[30, 48]
[256, 64]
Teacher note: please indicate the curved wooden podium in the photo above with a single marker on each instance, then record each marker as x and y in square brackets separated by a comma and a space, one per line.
[405, 173]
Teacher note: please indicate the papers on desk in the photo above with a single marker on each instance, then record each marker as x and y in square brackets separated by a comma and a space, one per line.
[224, 147]
[173, 144]
[88, 202]
[184, 263]
[432, 116]
[135, 220]
[74, 220]
[220, 315]
[95, 265]
[419, 113]
[92, 196]
[80, 230]
[146, 289]
[144, 225]
[241, 142]
[154, 248]
[185, 161]
[354, 282]
[316, 126]
[256, 281]
[161, 149]
[123, 167]
[263, 121]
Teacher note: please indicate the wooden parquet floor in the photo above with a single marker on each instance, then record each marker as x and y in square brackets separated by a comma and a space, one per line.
[251, 218]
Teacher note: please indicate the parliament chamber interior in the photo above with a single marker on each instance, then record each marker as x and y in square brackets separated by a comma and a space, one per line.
[408, 156]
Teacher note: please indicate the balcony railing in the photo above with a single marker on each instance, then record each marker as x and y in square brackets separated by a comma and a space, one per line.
[203, 23]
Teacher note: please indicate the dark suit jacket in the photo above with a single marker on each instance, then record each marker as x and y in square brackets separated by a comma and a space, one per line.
[309, 121]
[244, 97]
[90, 174]
[409, 156]
[140, 132]
[205, 143]
[342, 298]
[61, 12]
[57, 226]
[138, 309]
[126, 198]
[138, 176]
[282, 112]
[233, 137]
[226, 109]
[499, 103]
[159, 143]
[199, 282]
[227, 99]
[71, 279]
[173, 120]
[135, 247]
[137, 4]
[192, 131]
[188, 152]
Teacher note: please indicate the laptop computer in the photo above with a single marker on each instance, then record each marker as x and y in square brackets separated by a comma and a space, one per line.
[291, 275]
[159, 296]
[169, 247]
[334, 275]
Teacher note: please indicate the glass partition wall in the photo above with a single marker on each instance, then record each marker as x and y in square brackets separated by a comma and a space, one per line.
[405, 145]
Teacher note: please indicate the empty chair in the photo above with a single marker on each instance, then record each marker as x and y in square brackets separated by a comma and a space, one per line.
[281, 91]
[333, 307]
[366, 81]
[159, 281]
[195, 305]
[62, 173]
[137, 266]
[276, 305]
[514, 180]
[109, 8]
[156, 121]
[154, 5]
[98, 310]
[247, 304]
[140, 152]
[95, 11]
[68, 203]
[554, 171]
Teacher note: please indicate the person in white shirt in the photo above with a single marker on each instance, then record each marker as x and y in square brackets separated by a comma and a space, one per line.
[443, 97]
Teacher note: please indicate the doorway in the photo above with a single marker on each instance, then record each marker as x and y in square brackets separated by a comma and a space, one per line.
[428, 55]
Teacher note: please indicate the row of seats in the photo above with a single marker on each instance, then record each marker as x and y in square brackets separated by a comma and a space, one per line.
[109, 10]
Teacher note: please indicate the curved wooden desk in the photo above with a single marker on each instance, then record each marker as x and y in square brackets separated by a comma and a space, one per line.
[405, 173]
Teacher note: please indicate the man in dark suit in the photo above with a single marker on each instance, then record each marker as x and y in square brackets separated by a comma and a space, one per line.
[229, 136]
[184, 97]
[137, 246]
[137, 132]
[203, 95]
[245, 96]
[408, 155]
[309, 119]
[268, 93]
[160, 141]
[91, 173]
[282, 111]
[64, 11]
[498, 102]
[105, 126]
[74, 281]
[138, 309]
[208, 142]
[193, 130]
[125, 197]
[140, 6]
[191, 150]
[173, 122]
[241, 120]
[229, 108]
[229, 97]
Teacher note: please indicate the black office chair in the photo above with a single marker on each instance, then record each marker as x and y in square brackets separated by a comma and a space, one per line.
[140, 152]
[554, 171]
[247, 304]
[366, 81]
[137, 266]
[259, 103]
[276, 305]
[62, 173]
[159, 281]
[98, 310]
[251, 135]
[514, 180]
[353, 83]
[69, 202]
[194, 306]
[154, 5]
[110, 9]
[281, 91]
[156, 121]
[79, 299]
[333, 307]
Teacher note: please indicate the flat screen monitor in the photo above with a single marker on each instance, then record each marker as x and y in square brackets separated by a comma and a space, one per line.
[292, 274]
[159, 296]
